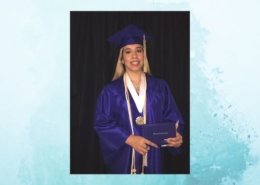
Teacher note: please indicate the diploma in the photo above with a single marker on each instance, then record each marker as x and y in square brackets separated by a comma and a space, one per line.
[157, 132]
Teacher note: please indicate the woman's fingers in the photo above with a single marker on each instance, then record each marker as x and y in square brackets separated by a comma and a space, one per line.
[145, 146]
[140, 144]
[175, 141]
[148, 142]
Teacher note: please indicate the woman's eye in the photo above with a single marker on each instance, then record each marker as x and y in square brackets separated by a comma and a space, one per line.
[139, 50]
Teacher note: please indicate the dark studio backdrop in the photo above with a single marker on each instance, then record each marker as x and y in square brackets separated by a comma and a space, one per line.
[92, 64]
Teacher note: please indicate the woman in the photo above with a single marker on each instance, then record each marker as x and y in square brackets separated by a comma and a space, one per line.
[132, 99]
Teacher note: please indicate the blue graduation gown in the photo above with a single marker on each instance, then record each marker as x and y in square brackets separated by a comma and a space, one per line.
[113, 126]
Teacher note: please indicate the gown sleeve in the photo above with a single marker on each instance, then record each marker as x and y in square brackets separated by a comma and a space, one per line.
[112, 137]
[172, 113]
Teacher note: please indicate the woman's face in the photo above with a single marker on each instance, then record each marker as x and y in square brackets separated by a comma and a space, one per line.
[133, 57]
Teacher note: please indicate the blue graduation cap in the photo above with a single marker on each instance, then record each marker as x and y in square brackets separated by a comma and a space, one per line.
[130, 34]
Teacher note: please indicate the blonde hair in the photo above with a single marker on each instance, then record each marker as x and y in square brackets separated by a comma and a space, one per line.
[120, 69]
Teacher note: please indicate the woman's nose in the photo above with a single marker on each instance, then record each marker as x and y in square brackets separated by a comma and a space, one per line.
[134, 55]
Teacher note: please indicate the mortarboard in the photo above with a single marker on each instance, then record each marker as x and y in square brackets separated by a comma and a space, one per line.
[130, 34]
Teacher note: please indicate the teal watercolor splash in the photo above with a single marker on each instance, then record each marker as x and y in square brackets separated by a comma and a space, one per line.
[217, 156]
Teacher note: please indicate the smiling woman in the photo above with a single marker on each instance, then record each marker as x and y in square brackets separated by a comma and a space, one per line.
[133, 62]
[143, 100]
[133, 57]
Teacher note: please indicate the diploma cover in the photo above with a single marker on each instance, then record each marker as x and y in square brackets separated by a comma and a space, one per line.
[157, 132]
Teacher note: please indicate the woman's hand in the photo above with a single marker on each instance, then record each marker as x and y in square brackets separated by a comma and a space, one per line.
[140, 144]
[175, 141]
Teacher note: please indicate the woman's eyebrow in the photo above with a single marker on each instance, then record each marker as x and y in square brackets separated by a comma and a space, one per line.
[139, 47]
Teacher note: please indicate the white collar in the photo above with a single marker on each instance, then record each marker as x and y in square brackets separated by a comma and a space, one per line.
[138, 99]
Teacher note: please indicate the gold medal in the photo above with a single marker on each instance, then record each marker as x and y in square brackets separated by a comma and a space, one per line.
[139, 120]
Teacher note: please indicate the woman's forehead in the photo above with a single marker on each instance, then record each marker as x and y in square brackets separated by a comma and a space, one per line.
[133, 46]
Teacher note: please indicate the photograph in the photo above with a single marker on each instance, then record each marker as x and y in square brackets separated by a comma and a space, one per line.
[129, 92]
